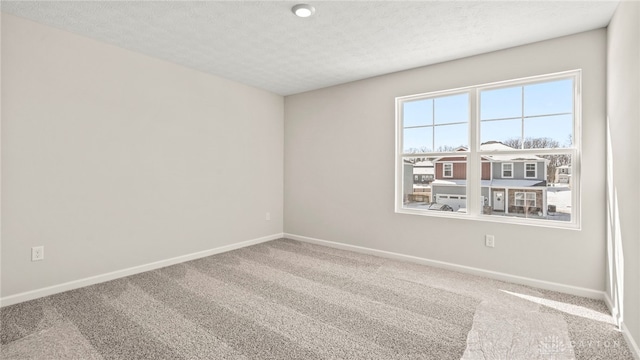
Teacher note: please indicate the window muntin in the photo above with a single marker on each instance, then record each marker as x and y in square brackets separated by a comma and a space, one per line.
[536, 123]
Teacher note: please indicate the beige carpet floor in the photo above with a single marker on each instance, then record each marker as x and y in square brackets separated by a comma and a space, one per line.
[290, 300]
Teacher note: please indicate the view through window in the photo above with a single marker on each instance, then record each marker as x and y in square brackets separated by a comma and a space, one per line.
[511, 145]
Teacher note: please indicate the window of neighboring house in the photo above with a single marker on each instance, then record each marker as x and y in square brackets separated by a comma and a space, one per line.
[530, 170]
[530, 126]
[525, 199]
[447, 170]
[415, 178]
[507, 170]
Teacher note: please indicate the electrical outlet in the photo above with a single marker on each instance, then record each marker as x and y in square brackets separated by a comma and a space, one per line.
[267, 216]
[490, 241]
[37, 253]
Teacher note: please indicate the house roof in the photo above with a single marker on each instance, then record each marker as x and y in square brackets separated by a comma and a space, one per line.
[498, 147]
[424, 163]
[449, 182]
[423, 171]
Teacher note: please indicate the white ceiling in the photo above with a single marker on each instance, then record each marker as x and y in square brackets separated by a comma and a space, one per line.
[263, 44]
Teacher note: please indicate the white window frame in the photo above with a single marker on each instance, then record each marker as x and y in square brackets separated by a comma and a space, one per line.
[510, 170]
[535, 170]
[525, 199]
[474, 155]
[444, 171]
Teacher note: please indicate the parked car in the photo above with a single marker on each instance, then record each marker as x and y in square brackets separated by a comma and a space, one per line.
[440, 207]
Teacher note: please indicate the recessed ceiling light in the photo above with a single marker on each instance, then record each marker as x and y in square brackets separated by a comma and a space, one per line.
[303, 10]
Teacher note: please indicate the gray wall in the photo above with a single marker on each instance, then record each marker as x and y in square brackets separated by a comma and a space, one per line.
[111, 159]
[623, 171]
[518, 171]
[325, 147]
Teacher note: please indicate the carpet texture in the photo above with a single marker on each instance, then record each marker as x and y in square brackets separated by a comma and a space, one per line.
[290, 300]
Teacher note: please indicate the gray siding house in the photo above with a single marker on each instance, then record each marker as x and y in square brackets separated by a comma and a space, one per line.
[511, 183]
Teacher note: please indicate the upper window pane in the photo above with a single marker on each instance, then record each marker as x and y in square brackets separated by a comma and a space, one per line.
[417, 140]
[545, 122]
[500, 130]
[548, 132]
[417, 113]
[447, 131]
[451, 137]
[452, 109]
[554, 97]
[501, 103]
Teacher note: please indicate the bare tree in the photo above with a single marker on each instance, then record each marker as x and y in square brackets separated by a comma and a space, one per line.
[420, 150]
[555, 161]
[532, 143]
[447, 148]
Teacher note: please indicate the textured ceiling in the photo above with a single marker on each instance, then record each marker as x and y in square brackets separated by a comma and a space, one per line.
[263, 44]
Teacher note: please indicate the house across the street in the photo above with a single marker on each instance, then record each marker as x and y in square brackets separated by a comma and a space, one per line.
[563, 174]
[511, 183]
[423, 172]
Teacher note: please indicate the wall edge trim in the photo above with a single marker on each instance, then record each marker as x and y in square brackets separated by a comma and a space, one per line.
[96, 279]
[542, 284]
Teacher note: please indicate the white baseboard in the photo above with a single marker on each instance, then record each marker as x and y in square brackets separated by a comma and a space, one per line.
[75, 284]
[633, 345]
[542, 284]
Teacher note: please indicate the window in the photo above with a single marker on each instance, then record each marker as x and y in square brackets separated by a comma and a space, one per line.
[511, 143]
[525, 199]
[415, 178]
[507, 170]
[447, 170]
[530, 171]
